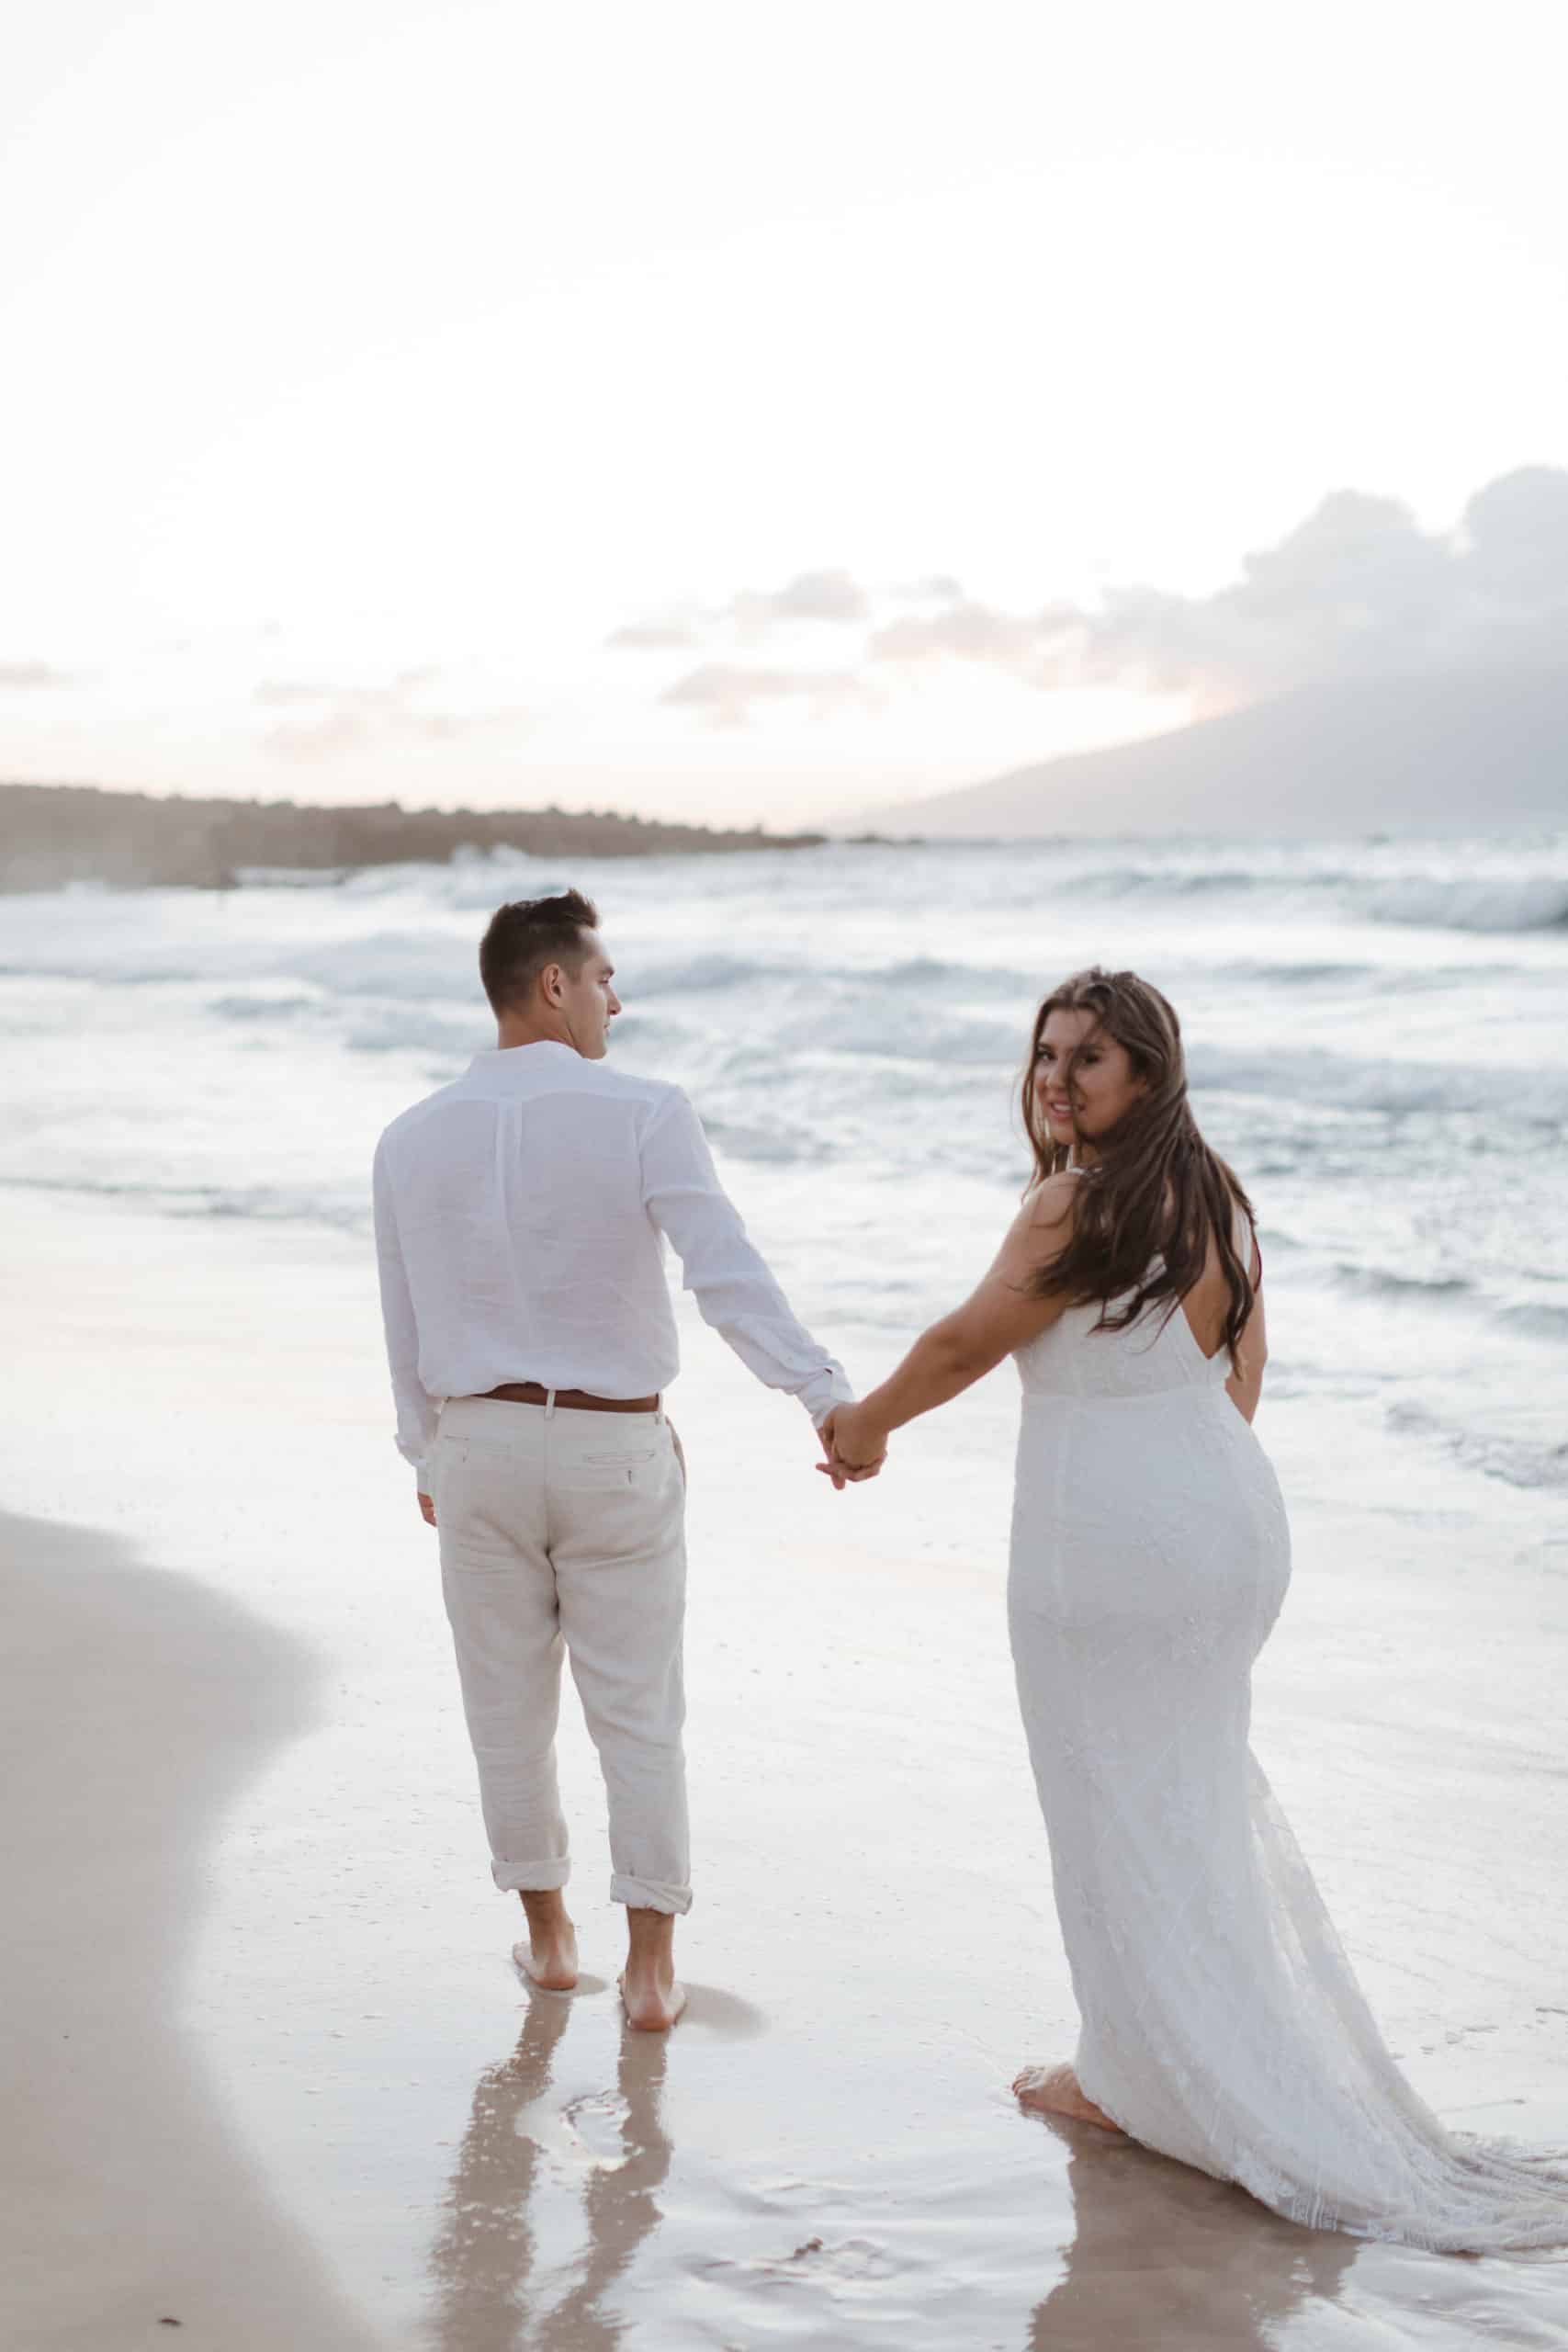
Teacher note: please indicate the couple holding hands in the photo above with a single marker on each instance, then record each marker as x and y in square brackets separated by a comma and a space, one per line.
[520, 1213]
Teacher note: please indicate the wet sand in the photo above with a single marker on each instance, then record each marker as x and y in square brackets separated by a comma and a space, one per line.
[315, 2101]
[136, 1707]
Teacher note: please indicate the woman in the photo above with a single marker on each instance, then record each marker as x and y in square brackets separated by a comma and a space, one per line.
[1220, 2021]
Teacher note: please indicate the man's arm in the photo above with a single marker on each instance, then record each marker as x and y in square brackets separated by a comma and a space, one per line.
[416, 1407]
[723, 1268]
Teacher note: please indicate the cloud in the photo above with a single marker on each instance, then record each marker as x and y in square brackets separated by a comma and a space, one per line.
[724, 693]
[275, 692]
[937, 588]
[1357, 589]
[1024, 643]
[656, 635]
[326, 738]
[27, 675]
[809, 596]
[828, 595]
[1515, 540]
[358, 718]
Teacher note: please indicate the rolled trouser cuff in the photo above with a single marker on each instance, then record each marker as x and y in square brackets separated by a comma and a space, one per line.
[530, 1878]
[648, 1895]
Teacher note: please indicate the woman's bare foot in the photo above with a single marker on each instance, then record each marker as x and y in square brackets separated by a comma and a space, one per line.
[1054, 2090]
[549, 1959]
[654, 1997]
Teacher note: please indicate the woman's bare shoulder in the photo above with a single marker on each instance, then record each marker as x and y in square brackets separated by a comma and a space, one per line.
[1053, 1202]
[1040, 1231]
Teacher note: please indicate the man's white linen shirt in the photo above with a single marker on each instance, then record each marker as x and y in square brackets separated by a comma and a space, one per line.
[519, 1213]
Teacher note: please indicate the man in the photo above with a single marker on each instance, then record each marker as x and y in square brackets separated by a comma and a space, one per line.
[518, 1221]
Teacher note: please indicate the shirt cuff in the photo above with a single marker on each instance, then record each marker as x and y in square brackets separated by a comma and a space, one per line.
[421, 1477]
[824, 1392]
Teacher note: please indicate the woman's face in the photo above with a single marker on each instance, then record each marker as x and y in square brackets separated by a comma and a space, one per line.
[1084, 1081]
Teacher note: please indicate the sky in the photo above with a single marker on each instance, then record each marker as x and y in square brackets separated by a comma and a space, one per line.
[757, 413]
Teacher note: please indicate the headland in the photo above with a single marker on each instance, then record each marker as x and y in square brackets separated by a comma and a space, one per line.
[54, 834]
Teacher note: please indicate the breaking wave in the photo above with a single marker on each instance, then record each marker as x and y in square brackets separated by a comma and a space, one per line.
[1475, 903]
[1518, 1462]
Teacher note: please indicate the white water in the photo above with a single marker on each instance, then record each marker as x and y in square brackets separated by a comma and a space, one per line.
[1374, 1031]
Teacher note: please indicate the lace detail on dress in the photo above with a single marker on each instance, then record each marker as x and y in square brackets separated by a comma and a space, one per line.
[1221, 2021]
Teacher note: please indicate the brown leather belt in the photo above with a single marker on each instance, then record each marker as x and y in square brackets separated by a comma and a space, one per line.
[571, 1400]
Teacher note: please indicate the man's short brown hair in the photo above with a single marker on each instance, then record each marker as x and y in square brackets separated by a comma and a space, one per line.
[526, 935]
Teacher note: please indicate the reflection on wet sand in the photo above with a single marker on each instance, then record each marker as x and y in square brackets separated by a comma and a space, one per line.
[1164, 2259]
[483, 2262]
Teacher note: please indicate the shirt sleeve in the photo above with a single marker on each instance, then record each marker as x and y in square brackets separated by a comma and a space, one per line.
[416, 1407]
[723, 1268]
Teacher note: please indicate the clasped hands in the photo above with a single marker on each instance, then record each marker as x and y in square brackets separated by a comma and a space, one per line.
[854, 1446]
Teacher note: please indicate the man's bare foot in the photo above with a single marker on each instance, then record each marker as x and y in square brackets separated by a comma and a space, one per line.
[654, 1997]
[549, 1959]
[652, 2006]
[1054, 2090]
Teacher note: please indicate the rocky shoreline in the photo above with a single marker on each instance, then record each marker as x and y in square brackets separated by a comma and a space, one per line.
[51, 834]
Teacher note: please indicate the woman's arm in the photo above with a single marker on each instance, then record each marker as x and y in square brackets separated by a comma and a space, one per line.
[1001, 1314]
[1244, 1386]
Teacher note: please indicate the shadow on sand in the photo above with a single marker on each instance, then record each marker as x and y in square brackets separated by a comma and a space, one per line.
[135, 1704]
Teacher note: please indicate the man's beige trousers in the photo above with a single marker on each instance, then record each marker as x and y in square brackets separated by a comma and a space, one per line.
[564, 1531]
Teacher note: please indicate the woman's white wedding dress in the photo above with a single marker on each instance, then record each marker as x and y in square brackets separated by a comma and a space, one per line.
[1221, 2022]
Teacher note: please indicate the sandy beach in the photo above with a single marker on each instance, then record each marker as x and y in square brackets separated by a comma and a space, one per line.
[138, 1707]
[305, 2097]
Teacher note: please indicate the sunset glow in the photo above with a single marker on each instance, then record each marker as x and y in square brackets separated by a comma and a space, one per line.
[375, 369]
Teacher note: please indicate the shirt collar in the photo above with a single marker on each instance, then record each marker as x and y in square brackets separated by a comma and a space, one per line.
[521, 1058]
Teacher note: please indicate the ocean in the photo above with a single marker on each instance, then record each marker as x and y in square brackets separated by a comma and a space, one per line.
[1375, 1032]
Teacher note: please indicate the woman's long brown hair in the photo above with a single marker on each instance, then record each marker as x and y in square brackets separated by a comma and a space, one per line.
[1157, 1193]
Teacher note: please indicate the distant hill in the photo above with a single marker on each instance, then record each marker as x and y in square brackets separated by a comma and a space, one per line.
[1468, 753]
[53, 833]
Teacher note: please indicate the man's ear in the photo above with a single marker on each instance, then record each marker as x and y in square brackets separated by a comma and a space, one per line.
[551, 981]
